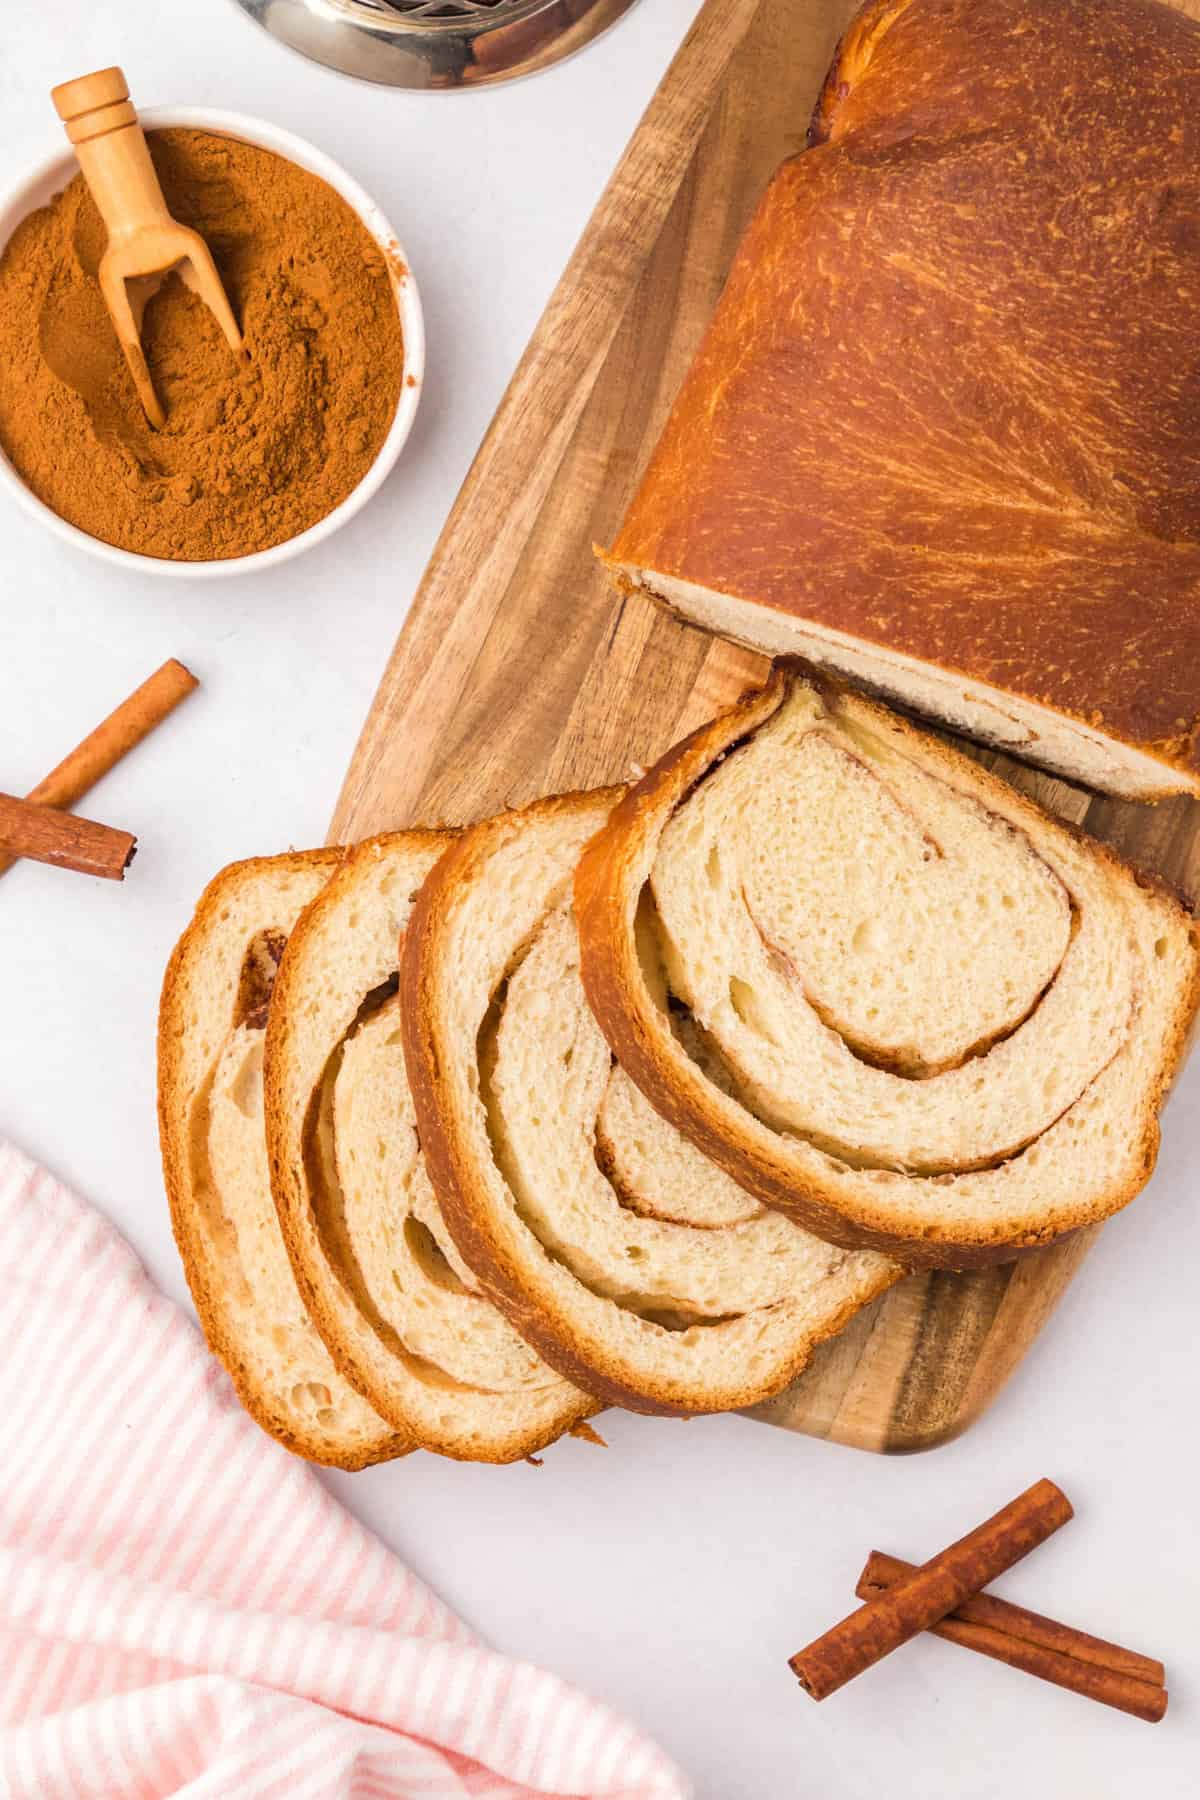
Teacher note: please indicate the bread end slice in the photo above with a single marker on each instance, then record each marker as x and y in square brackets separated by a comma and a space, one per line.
[211, 1020]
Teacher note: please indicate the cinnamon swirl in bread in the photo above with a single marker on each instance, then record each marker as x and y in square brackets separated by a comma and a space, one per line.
[886, 993]
[633, 1263]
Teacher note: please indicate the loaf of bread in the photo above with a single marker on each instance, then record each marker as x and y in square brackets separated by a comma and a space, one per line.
[886, 993]
[631, 1262]
[212, 1018]
[401, 1312]
[943, 435]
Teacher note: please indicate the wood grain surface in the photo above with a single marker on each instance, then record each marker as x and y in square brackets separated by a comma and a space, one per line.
[519, 673]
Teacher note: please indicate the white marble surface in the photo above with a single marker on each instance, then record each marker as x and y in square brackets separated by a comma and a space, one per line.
[676, 1571]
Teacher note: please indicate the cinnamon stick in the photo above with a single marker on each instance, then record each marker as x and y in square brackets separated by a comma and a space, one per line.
[1026, 1640]
[934, 1590]
[44, 834]
[882, 1571]
[112, 739]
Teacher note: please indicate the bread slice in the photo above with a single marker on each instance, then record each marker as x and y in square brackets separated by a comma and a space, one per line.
[632, 1263]
[210, 1111]
[933, 1019]
[936, 440]
[403, 1315]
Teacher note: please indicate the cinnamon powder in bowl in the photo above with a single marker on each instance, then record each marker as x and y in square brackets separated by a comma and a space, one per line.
[255, 451]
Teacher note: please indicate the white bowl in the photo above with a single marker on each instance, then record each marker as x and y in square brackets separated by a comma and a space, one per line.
[52, 175]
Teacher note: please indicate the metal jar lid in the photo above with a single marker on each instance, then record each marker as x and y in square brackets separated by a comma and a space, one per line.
[435, 43]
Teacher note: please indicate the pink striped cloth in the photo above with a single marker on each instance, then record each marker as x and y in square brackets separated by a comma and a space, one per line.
[184, 1610]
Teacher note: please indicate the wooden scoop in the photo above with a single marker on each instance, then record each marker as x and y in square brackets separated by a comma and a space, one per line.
[144, 242]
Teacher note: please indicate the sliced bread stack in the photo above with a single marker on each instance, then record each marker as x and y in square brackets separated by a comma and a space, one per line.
[634, 1097]
[635, 1265]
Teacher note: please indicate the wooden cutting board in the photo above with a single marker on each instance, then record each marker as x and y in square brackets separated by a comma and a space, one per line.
[517, 672]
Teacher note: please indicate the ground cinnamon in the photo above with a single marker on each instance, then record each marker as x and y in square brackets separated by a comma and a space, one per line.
[252, 452]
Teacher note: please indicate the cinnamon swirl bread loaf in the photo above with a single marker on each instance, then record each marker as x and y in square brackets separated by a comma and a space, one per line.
[887, 994]
[212, 1019]
[943, 435]
[401, 1311]
[632, 1263]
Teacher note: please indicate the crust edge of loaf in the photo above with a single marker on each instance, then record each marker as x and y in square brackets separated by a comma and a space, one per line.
[775, 631]
[851, 59]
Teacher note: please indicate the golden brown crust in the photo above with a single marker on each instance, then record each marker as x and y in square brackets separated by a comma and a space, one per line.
[285, 1136]
[608, 881]
[174, 1106]
[943, 408]
[851, 59]
[451, 1164]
